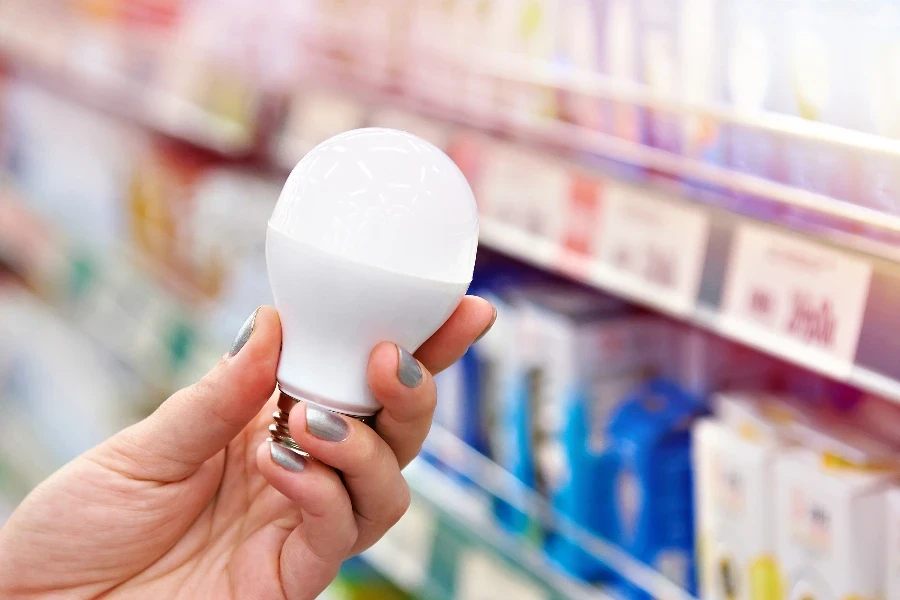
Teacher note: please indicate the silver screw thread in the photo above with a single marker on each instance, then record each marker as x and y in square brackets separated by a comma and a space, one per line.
[279, 431]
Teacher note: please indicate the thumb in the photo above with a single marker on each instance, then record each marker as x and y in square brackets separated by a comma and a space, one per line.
[197, 422]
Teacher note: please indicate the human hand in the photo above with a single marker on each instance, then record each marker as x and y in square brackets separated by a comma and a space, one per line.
[193, 502]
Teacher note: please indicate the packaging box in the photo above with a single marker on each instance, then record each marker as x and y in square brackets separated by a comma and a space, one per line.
[678, 62]
[733, 458]
[755, 82]
[819, 63]
[830, 523]
[892, 545]
[878, 90]
[579, 355]
[650, 447]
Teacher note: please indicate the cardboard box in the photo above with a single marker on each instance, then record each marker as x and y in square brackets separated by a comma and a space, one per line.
[830, 525]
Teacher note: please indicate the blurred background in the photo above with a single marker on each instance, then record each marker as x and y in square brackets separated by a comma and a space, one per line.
[689, 225]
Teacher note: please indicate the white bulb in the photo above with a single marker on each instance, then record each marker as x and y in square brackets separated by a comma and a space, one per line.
[373, 239]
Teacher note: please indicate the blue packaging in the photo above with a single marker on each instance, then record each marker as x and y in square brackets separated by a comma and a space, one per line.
[650, 438]
[576, 356]
[530, 398]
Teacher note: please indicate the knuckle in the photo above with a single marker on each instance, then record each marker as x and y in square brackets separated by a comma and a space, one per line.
[370, 451]
[401, 505]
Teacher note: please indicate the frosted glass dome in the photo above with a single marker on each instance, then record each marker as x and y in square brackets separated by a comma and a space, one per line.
[384, 198]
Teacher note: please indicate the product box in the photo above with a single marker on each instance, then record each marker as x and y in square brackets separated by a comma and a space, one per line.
[617, 23]
[677, 49]
[657, 51]
[830, 522]
[892, 545]
[529, 31]
[224, 243]
[878, 94]
[598, 40]
[650, 446]
[582, 354]
[581, 53]
[79, 191]
[755, 82]
[551, 322]
[701, 41]
[820, 62]
[734, 482]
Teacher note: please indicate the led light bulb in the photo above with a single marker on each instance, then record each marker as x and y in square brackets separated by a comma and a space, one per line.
[373, 239]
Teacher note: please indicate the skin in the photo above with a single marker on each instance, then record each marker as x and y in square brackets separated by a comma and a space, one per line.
[189, 504]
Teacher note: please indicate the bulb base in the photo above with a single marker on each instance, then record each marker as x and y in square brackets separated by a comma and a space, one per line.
[279, 431]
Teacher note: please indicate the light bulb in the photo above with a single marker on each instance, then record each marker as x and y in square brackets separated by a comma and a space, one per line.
[372, 239]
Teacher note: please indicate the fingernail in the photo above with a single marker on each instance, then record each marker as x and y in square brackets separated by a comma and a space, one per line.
[408, 370]
[286, 458]
[489, 325]
[325, 424]
[244, 334]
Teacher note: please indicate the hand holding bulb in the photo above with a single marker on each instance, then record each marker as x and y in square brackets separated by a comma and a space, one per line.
[194, 502]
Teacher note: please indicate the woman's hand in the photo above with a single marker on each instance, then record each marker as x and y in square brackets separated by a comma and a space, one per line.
[192, 502]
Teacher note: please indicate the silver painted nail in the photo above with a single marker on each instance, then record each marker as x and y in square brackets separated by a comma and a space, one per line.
[325, 424]
[243, 334]
[408, 370]
[286, 458]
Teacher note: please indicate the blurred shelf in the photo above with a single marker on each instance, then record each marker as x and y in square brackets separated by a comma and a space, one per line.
[820, 297]
[122, 74]
[149, 322]
[822, 302]
[449, 547]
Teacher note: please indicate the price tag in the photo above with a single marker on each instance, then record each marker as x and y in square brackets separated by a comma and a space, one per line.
[483, 576]
[527, 190]
[795, 298]
[321, 115]
[404, 553]
[651, 248]
[585, 203]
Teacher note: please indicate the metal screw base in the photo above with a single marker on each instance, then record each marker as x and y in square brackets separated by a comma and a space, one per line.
[279, 432]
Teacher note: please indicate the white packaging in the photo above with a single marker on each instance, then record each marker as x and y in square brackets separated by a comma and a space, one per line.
[892, 545]
[619, 46]
[529, 30]
[735, 509]
[579, 346]
[754, 80]
[820, 63]
[676, 46]
[733, 459]
[878, 97]
[830, 527]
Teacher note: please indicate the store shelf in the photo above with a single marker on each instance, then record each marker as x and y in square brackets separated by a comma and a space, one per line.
[114, 72]
[448, 546]
[701, 263]
[822, 302]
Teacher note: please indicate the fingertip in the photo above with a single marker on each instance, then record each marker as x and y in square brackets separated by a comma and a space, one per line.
[255, 362]
[394, 374]
[471, 319]
[382, 367]
[486, 314]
